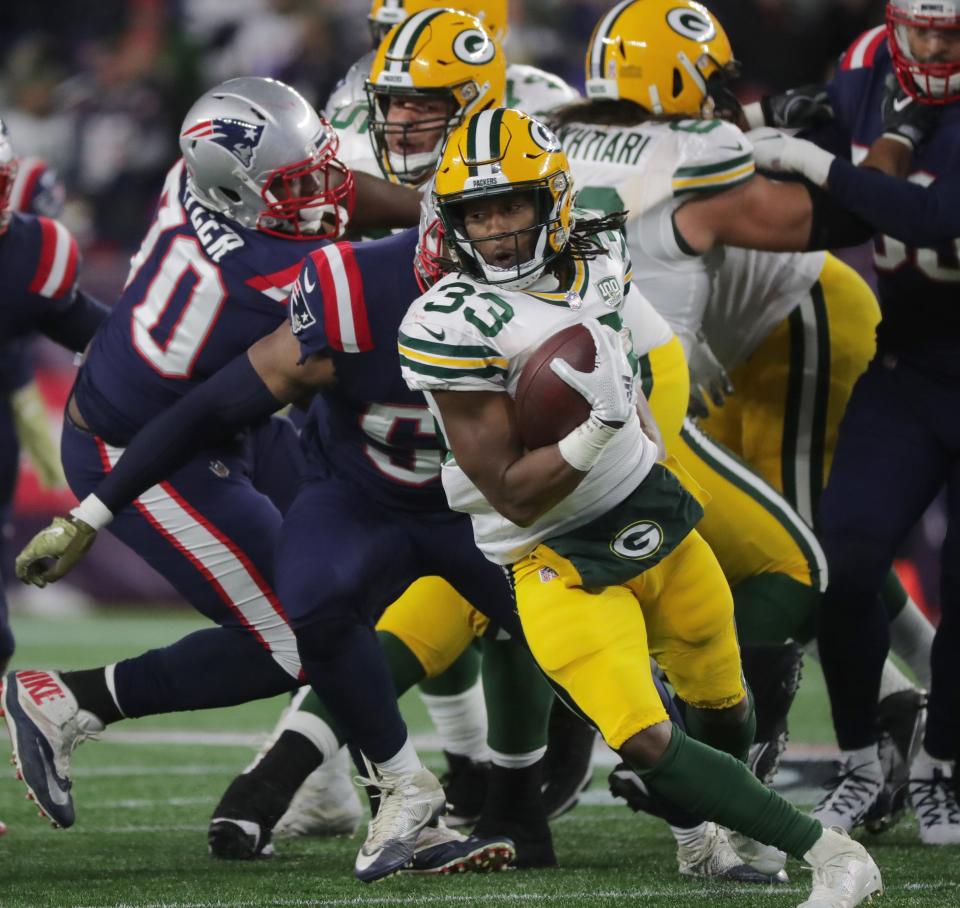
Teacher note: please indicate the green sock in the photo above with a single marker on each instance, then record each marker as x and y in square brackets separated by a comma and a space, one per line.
[732, 738]
[893, 595]
[717, 787]
[774, 608]
[460, 676]
[518, 698]
[405, 667]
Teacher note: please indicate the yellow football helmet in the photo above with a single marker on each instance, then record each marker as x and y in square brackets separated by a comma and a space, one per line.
[494, 153]
[384, 14]
[659, 54]
[435, 54]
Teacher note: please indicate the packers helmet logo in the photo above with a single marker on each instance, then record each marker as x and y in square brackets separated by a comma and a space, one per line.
[637, 541]
[692, 24]
[474, 46]
[544, 137]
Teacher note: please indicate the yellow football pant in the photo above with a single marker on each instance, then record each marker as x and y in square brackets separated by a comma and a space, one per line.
[792, 392]
[749, 526]
[595, 644]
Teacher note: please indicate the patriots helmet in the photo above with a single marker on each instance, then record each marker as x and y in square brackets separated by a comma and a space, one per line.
[931, 77]
[258, 153]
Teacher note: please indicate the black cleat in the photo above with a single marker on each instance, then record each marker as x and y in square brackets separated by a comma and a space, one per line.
[243, 821]
[774, 674]
[568, 764]
[902, 718]
[465, 784]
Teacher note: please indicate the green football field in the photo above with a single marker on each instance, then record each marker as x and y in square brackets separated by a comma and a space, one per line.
[144, 795]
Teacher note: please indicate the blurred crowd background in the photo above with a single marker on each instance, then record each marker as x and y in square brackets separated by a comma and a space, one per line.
[98, 89]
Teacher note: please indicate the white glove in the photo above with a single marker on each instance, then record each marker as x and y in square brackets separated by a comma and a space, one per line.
[708, 379]
[609, 387]
[772, 150]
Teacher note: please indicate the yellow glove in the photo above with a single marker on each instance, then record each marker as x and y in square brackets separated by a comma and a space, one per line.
[65, 541]
[33, 430]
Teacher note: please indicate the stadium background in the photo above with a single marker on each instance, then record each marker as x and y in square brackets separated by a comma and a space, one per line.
[98, 89]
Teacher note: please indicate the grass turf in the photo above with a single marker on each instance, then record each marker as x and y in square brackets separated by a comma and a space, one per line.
[143, 806]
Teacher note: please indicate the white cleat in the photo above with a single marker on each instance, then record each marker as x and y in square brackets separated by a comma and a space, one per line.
[934, 800]
[45, 726]
[765, 859]
[844, 874]
[326, 804]
[851, 794]
[408, 802]
[711, 856]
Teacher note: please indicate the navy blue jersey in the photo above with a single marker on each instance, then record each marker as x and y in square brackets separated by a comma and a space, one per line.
[370, 428]
[38, 267]
[918, 287]
[201, 290]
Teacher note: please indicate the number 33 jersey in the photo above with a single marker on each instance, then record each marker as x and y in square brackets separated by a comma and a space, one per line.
[201, 290]
[464, 335]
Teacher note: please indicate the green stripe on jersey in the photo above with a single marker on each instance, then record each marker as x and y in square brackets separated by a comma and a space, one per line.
[703, 170]
[450, 373]
[454, 350]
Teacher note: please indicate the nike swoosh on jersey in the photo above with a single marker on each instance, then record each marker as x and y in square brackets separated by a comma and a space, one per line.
[439, 335]
[901, 103]
[306, 283]
[737, 147]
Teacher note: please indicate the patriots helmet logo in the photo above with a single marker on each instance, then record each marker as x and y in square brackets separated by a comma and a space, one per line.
[237, 136]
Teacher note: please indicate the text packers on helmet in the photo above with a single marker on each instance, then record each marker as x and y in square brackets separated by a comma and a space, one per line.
[494, 153]
[659, 54]
[384, 14]
[259, 154]
[437, 53]
[928, 82]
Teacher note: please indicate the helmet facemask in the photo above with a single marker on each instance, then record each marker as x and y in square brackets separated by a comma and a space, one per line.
[413, 167]
[933, 82]
[531, 248]
[311, 199]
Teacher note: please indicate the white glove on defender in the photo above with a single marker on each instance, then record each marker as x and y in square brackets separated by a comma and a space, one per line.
[773, 150]
[609, 389]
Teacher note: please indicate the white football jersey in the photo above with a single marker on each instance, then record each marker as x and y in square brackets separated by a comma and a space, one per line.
[736, 296]
[464, 335]
[535, 91]
[750, 294]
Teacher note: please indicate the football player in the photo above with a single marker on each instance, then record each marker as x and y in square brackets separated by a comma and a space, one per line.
[259, 187]
[527, 87]
[900, 399]
[592, 525]
[39, 262]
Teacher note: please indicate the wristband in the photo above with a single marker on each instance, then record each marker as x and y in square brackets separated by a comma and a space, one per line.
[93, 512]
[584, 445]
[753, 114]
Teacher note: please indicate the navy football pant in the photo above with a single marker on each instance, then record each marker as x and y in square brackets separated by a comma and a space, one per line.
[342, 560]
[212, 533]
[899, 445]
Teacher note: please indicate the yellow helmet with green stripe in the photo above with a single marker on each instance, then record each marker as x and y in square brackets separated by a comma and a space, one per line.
[384, 14]
[494, 153]
[659, 54]
[441, 54]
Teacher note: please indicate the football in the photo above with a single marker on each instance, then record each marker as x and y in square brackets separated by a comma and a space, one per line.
[547, 407]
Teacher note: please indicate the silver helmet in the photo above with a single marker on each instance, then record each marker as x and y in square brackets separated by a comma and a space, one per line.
[933, 80]
[8, 173]
[259, 154]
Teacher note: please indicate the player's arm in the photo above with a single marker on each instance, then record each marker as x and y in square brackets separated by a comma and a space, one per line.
[74, 326]
[757, 214]
[480, 427]
[251, 387]
[383, 204]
